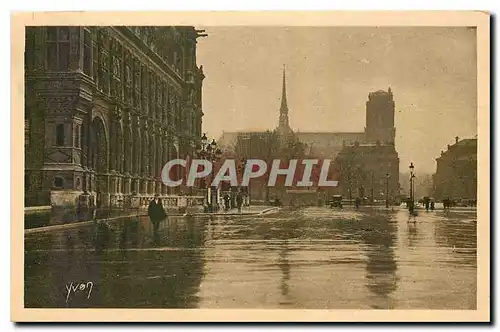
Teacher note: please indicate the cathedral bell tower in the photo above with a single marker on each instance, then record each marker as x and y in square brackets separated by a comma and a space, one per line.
[380, 117]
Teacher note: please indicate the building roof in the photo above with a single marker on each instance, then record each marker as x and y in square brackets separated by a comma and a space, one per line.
[464, 146]
[471, 142]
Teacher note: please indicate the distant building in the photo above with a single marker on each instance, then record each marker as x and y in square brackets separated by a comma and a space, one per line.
[456, 171]
[105, 108]
[423, 184]
[369, 171]
[372, 152]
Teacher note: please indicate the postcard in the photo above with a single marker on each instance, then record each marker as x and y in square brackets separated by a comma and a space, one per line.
[250, 167]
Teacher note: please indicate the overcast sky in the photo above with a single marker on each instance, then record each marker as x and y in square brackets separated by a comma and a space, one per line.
[330, 71]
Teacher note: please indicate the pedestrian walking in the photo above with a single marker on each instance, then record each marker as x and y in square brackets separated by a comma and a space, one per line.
[446, 203]
[227, 202]
[239, 200]
[156, 212]
[220, 203]
[432, 205]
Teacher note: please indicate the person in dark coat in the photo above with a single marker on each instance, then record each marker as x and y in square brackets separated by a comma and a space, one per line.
[227, 202]
[446, 203]
[156, 212]
[357, 202]
[239, 201]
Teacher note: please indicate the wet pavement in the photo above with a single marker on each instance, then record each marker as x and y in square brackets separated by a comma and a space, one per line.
[313, 258]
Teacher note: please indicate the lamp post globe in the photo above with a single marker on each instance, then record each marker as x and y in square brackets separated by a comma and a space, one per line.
[204, 140]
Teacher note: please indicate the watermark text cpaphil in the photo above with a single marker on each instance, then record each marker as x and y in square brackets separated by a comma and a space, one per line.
[309, 172]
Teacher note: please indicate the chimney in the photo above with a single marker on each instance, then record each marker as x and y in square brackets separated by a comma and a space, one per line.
[456, 139]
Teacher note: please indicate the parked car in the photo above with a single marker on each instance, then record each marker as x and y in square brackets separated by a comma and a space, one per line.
[336, 201]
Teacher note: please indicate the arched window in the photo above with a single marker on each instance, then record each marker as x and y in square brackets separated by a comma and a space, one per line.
[58, 48]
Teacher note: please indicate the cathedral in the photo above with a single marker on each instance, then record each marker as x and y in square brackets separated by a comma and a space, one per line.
[368, 160]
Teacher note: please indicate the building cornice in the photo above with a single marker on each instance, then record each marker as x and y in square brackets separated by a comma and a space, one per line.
[148, 55]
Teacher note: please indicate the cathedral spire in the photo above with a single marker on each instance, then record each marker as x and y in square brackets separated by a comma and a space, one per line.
[284, 106]
[284, 126]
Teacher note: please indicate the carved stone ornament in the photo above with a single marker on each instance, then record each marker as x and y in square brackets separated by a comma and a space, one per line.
[117, 113]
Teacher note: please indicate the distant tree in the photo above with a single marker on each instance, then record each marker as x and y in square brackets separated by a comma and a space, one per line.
[267, 146]
[292, 148]
[347, 161]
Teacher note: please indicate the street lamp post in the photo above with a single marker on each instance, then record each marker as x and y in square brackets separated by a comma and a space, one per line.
[372, 189]
[412, 185]
[210, 152]
[387, 175]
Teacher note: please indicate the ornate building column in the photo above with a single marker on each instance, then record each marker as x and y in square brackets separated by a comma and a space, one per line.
[144, 160]
[152, 159]
[127, 155]
[159, 159]
[136, 155]
[165, 154]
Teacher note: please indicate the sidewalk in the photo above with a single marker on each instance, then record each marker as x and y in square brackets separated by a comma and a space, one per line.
[247, 210]
[250, 210]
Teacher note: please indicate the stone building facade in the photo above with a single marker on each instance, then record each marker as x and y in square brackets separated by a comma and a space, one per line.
[105, 108]
[456, 171]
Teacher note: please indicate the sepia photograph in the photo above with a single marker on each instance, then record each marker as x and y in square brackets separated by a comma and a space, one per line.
[313, 163]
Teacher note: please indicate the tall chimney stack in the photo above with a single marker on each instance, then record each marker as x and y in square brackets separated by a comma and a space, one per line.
[456, 139]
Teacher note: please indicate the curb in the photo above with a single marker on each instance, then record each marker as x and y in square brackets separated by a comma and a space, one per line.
[34, 209]
[76, 224]
[90, 222]
[269, 210]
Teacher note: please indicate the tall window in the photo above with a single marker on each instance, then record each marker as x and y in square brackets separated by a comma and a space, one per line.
[60, 134]
[170, 108]
[152, 93]
[137, 84]
[165, 104]
[178, 119]
[87, 53]
[103, 62]
[128, 79]
[159, 100]
[58, 48]
[116, 66]
[78, 133]
[145, 90]
[83, 143]
[95, 60]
